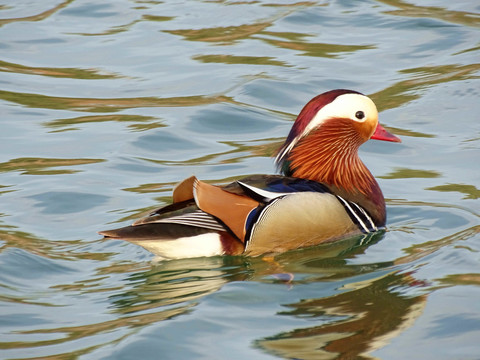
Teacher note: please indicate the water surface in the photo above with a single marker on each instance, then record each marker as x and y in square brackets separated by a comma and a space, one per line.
[106, 105]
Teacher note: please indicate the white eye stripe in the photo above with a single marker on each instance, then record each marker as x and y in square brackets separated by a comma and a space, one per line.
[344, 106]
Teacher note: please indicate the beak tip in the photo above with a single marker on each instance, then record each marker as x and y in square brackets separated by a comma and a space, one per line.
[382, 134]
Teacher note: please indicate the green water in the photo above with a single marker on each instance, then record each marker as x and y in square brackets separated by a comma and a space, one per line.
[104, 106]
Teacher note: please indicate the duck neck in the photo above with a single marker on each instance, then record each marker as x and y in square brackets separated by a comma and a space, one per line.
[330, 155]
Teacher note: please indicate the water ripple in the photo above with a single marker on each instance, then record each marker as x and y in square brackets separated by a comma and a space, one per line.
[106, 106]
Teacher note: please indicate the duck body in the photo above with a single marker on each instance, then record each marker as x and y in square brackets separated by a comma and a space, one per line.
[325, 192]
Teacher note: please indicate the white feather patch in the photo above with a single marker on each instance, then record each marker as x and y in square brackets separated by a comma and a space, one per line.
[185, 247]
[268, 195]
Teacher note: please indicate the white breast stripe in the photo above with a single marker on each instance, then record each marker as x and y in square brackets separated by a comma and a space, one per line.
[349, 208]
[197, 218]
[372, 225]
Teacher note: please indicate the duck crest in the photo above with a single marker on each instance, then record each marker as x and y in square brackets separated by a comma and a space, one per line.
[328, 153]
[301, 123]
[312, 108]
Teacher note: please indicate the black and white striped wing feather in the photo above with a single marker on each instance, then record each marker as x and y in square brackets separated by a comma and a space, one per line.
[197, 218]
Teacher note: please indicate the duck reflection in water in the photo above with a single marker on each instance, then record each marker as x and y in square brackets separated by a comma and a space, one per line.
[367, 307]
[353, 323]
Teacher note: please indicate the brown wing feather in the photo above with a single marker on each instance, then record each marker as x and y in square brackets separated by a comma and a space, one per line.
[230, 208]
[184, 190]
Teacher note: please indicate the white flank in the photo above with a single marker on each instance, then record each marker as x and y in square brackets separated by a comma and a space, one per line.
[186, 247]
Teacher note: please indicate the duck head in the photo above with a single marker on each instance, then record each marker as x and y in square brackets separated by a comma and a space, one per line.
[324, 140]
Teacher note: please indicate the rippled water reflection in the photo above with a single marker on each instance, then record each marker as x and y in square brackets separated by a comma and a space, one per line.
[105, 106]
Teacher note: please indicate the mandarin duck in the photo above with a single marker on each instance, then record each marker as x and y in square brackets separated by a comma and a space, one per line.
[325, 192]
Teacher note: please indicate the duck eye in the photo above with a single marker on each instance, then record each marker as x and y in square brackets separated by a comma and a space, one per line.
[359, 115]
